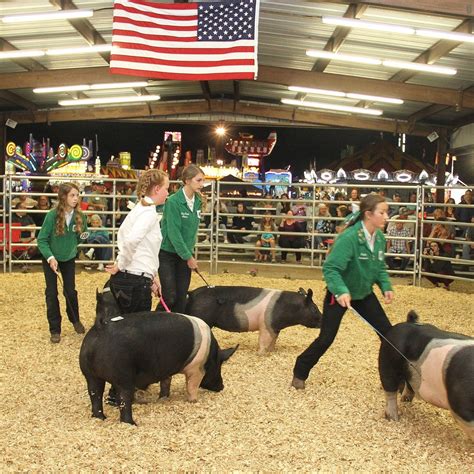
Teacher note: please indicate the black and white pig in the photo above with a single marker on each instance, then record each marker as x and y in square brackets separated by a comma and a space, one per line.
[139, 349]
[244, 308]
[441, 370]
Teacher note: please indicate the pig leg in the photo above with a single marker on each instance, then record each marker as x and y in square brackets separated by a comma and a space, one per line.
[391, 408]
[467, 427]
[126, 398]
[408, 393]
[193, 380]
[95, 387]
[165, 386]
[266, 341]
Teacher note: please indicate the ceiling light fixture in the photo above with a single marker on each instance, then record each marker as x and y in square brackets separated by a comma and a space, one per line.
[97, 48]
[88, 87]
[383, 62]
[349, 95]
[309, 90]
[404, 30]
[57, 15]
[368, 25]
[343, 57]
[332, 107]
[109, 100]
[419, 67]
[446, 35]
[18, 53]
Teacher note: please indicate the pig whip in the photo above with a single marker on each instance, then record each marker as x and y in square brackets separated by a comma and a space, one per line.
[385, 339]
[202, 278]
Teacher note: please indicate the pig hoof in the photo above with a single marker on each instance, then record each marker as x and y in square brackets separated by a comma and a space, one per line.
[391, 417]
[298, 383]
[192, 400]
[100, 416]
[406, 398]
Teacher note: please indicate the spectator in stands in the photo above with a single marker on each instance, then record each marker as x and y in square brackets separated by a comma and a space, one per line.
[398, 246]
[25, 199]
[284, 205]
[394, 210]
[21, 218]
[299, 210]
[240, 222]
[98, 236]
[467, 249]
[442, 267]
[290, 241]
[323, 226]
[98, 203]
[266, 240]
[342, 212]
[449, 210]
[42, 205]
[465, 214]
[354, 198]
[412, 206]
[441, 231]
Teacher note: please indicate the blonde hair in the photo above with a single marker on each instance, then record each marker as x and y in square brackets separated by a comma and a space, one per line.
[64, 190]
[95, 217]
[146, 182]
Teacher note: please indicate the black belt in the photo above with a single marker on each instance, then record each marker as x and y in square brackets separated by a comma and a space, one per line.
[137, 274]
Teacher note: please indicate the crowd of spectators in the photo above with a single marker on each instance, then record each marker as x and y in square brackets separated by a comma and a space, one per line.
[277, 226]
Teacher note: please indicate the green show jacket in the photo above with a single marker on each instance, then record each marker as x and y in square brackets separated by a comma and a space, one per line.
[351, 267]
[179, 225]
[61, 247]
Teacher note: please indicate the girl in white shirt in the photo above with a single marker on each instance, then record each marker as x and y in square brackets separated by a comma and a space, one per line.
[135, 272]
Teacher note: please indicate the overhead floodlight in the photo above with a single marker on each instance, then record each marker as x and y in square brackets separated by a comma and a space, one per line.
[382, 175]
[55, 15]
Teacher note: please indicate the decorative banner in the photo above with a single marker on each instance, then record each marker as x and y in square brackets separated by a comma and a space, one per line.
[86, 153]
[62, 150]
[10, 149]
[75, 153]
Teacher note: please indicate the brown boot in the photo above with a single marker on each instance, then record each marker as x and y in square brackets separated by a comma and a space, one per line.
[55, 338]
[298, 383]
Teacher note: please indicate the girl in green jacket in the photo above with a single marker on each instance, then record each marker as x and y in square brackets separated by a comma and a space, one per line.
[179, 227]
[355, 263]
[58, 239]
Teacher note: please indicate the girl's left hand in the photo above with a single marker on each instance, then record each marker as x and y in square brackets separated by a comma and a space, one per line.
[388, 297]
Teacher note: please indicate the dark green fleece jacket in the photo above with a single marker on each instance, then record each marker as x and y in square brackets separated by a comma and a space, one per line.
[179, 225]
[61, 247]
[351, 267]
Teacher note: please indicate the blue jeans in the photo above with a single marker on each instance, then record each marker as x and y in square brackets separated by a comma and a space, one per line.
[101, 253]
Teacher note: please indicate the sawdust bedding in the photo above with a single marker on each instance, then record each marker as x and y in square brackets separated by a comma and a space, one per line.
[257, 423]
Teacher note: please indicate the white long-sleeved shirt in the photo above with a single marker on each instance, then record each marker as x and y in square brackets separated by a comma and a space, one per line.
[139, 241]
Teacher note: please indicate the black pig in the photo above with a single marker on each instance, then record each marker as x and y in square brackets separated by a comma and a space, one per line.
[244, 308]
[136, 350]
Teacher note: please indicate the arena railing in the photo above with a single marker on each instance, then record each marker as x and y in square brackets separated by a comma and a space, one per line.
[313, 256]
[209, 247]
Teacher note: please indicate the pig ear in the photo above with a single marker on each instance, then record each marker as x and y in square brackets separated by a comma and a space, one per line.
[225, 354]
[309, 295]
[302, 292]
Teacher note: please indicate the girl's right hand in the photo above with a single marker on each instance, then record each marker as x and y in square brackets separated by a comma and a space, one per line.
[344, 300]
[112, 269]
[192, 263]
[53, 264]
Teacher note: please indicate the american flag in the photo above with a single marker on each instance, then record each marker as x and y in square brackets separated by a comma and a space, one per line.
[185, 41]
